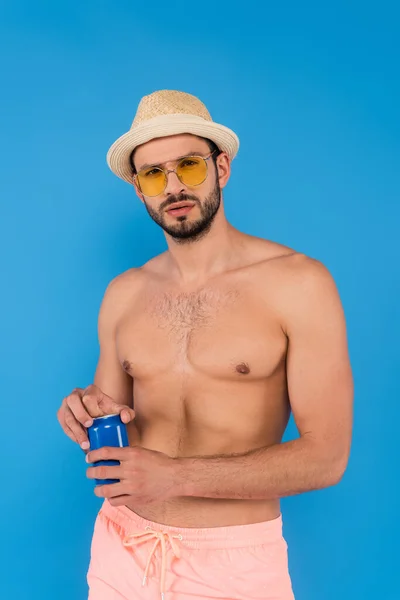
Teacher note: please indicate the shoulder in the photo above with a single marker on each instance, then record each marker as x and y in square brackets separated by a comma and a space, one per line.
[290, 268]
[297, 271]
[293, 284]
[133, 280]
[122, 290]
[119, 294]
[123, 284]
[305, 292]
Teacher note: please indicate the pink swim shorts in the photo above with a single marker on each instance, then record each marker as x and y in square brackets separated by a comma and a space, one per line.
[136, 559]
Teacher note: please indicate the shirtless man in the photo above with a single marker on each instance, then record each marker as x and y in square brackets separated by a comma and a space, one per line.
[212, 343]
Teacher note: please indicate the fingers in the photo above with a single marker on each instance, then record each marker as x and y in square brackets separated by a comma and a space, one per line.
[98, 404]
[120, 500]
[127, 414]
[109, 407]
[69, 433]
[83, 405]
[73, 429]
[91, 400]
[110, 453]
[75, 403]
[110, 490]
[105, 472]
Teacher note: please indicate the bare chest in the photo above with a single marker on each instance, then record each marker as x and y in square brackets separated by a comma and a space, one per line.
[181, 318]
[217, 333]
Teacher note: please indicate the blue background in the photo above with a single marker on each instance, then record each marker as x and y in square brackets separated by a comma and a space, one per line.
[313, 93]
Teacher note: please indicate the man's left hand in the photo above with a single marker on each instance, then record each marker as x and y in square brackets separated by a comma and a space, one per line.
[145, 475]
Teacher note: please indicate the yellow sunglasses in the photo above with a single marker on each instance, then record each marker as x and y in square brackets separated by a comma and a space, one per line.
[190, 170]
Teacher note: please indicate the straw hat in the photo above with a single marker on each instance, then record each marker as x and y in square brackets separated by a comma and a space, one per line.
[166, 113]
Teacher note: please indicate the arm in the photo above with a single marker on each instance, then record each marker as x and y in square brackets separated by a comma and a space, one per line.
[112, 387]
[320, 391]
[110, 377]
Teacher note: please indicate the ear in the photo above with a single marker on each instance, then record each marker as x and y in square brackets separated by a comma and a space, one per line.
[223, 169]
[137, 189]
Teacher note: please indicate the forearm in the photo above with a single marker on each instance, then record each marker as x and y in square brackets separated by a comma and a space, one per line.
[266, 473]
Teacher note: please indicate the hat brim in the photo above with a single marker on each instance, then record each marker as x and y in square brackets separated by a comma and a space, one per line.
[118, 156]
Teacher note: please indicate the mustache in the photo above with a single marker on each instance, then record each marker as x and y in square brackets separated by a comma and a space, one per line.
[178, 198]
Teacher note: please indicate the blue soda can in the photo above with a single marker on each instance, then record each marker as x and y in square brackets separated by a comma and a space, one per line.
[107, 431]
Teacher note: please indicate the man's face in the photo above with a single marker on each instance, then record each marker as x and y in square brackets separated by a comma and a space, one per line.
[190, 223]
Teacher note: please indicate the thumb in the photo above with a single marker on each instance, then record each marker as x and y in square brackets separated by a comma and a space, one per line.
[110, 406]
[126, 413]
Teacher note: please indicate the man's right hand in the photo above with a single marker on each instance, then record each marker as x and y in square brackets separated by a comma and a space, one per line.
[78, 410]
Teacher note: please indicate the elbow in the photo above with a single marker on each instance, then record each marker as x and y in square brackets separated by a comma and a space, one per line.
[337, 470]
[330, 462]
[337, 475]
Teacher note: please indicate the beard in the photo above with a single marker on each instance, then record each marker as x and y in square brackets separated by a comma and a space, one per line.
[185, 231]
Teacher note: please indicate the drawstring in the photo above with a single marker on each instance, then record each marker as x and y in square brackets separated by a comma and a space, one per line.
[160, 538]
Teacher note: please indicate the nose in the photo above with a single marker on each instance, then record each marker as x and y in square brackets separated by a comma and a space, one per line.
[174, 185]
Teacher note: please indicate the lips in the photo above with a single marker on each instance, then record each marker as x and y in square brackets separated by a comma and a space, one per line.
[178, 205]
[180, 209]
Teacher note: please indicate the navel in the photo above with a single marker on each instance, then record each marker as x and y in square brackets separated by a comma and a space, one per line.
[243, 368]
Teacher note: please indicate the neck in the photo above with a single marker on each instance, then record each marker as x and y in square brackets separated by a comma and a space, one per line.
[216, 252]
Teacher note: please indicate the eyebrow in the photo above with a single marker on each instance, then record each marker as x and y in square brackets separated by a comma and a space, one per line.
[147, 166]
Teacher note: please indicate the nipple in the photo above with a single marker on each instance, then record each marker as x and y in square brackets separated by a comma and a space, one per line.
[243, 368]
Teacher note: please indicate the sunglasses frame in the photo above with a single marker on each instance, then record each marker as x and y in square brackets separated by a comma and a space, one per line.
[166, 172]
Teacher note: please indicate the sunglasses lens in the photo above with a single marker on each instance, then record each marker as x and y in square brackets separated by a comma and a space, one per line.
[192, 170]
[151, 181]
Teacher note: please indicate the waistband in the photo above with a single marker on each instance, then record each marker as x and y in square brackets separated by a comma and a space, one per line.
[232, 536]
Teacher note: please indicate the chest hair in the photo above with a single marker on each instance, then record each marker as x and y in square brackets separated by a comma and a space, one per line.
[185, 312]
